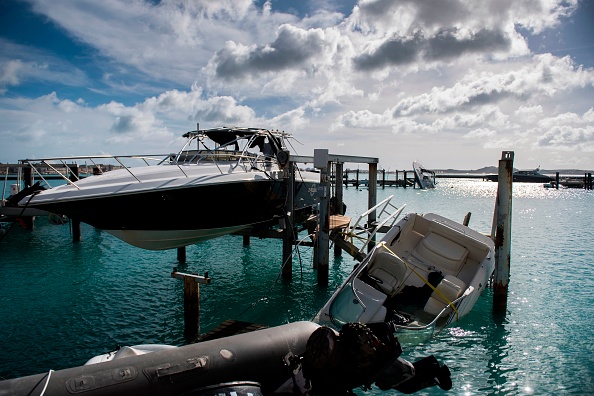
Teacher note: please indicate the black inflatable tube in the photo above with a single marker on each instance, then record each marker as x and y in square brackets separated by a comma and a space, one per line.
[255, 357]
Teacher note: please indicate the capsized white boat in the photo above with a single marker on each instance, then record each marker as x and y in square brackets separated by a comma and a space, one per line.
[425, 273]
[424, 177]
[233, 178]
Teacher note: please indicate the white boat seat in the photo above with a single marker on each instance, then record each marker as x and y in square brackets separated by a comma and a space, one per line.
[440, 251]
[373, 299]
[452, 288]
[346, 307]
[390, 271]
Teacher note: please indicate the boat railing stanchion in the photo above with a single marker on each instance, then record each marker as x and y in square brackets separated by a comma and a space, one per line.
[192, 284]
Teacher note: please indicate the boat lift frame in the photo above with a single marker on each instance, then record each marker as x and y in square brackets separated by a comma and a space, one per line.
[323, 161]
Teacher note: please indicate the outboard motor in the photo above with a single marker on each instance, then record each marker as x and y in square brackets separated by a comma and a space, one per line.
[359, 355]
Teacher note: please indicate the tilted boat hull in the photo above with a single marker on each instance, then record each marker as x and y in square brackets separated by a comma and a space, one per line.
[426, 272]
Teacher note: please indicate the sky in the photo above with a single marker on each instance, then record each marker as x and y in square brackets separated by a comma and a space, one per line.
[450, 83]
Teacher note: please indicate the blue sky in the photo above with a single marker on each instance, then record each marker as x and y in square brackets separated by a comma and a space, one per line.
[451, 83]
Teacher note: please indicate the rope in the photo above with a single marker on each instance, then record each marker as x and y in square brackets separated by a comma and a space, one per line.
[447, 300]
[49, 374]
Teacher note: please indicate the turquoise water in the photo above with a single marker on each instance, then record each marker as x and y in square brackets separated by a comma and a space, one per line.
[62, 302]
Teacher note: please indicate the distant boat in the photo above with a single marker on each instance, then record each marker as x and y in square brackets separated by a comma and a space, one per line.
[232, 179]
[424, 177]
[426, 272]
[525, 176]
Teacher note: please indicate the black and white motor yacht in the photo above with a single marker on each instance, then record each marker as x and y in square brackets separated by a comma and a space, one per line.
[223, 180]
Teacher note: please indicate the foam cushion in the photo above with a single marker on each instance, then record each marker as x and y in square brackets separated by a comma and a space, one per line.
[390, 270]
[440, 251]
[450, 287]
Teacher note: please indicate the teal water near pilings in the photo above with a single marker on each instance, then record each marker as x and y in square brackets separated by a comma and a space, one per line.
[63, 302]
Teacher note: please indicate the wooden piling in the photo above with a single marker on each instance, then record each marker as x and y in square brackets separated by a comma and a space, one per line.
[27, 222]
[288, 230]
[467, 219]
[75, 223]
[338, 184]
[191, 302]
[322, 240]
[181, 254]
[501, 232]
[372, 201]
[557, 180]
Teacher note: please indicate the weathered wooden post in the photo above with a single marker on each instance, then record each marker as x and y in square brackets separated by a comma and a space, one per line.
[191, 301]
[357, 180]
[467, 219]
[288, 231]
[339, 200]
[75, 223]
[383, 178]
[501, 231]
[27, 222]
[404, 179]
[322, 244]
[181, 254]
[372, 201]
[557, 180]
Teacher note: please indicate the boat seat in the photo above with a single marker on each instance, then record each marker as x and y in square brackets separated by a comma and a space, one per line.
[373, 299]
[346, 307]
[452, 288]
[440, 251]
[390, 271]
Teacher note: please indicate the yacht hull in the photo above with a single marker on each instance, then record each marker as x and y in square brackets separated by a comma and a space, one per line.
[234, 178]
[163, 215]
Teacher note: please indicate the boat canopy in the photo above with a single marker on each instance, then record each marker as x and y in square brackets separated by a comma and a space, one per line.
[256, 137]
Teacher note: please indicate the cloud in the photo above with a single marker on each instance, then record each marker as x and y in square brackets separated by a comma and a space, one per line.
[445, 45]
[459, 71]
[28, 124]
[20, 63]
[293, 48]
[567, 132]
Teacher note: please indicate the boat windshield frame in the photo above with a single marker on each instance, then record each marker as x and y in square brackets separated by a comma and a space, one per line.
[240, 140]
